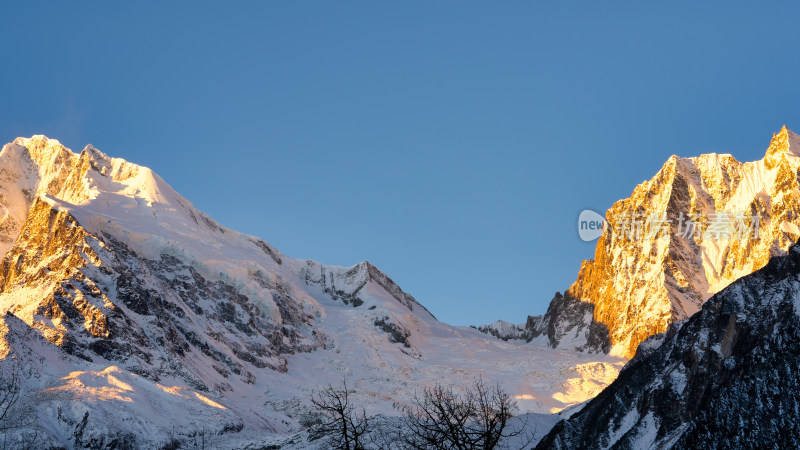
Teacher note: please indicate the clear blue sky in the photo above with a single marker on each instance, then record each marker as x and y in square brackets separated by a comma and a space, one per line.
[450, 143]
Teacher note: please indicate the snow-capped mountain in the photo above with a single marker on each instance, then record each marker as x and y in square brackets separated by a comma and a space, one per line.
[725, 378]
[663, 254]
[134, 317]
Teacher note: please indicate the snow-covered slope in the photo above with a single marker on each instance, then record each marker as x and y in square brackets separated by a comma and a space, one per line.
[725, 378]
[137, 316]
[639, 282]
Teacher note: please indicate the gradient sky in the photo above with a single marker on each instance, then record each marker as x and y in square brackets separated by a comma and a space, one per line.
[452, 144]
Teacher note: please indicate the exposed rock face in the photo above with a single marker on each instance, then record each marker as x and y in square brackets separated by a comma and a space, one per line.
[569, 324]
[726, 378]
[94, 296]
[641, 281]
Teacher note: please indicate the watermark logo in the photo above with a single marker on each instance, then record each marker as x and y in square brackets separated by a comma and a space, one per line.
[717, 226]
[590, 225]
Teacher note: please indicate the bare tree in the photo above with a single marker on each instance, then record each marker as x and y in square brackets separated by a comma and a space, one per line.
[17, 425]
[199, 439]
[492, 410]
[9, 394]
[442, 419]
[345, 426]
[439, 418]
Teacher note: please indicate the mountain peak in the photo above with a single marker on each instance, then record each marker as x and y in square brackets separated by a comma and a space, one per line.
[39, 148]
[35, 139]
[784, 141]
[692, 263]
